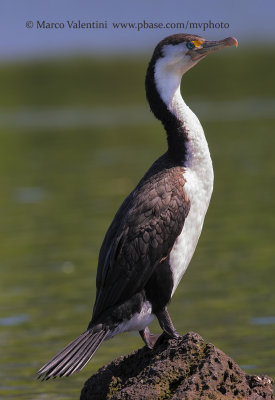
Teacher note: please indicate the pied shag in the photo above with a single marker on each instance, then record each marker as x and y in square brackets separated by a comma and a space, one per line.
[153, 235]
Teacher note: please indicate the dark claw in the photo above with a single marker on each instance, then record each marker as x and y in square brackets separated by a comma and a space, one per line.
[169, 331]
[167, 324]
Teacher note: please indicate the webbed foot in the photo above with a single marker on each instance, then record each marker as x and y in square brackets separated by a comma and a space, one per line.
[149, 338]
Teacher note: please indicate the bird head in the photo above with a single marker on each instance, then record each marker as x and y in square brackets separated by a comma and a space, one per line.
[178, 53]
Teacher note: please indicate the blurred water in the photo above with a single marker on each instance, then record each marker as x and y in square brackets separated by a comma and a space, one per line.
[14, 320]
[263, 321]
[240, 110]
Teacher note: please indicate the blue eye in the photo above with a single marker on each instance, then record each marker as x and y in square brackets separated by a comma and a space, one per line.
[190, 45]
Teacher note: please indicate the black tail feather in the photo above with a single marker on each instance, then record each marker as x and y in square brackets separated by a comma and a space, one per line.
[66, 357]
[74, 356]
[62, 363]
[85, 357]
[85, 352]
[69, 348]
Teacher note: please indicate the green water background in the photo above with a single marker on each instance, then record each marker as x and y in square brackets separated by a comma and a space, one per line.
[62, 182]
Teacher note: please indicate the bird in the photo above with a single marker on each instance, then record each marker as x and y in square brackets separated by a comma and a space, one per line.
[154, 233]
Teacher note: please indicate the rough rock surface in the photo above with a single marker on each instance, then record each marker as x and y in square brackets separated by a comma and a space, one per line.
[186, 368]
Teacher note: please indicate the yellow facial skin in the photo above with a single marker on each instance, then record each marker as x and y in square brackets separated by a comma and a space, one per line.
[197, 43]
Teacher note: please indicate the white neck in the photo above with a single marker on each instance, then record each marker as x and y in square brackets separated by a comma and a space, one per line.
[198, 158]
[168, 84]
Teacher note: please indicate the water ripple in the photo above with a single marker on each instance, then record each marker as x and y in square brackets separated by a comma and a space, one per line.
[14, 320]
[241, 110]
[263, 321]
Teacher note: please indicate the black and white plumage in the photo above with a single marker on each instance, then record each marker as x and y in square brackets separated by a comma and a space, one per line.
[153, 236]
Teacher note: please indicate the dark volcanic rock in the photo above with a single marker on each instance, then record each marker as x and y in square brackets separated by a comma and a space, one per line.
[180, 369]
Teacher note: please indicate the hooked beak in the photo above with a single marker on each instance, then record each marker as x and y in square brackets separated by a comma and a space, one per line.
[210, 46]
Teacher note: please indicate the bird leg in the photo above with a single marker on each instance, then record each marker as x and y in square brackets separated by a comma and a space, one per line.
[148, 338]
[169, 331]
[166, 324]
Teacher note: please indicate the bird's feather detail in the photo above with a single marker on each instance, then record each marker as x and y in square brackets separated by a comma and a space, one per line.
[141, 235]
[75, 355]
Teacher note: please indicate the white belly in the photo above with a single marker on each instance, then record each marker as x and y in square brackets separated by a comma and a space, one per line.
[199, 193]
[138, 322]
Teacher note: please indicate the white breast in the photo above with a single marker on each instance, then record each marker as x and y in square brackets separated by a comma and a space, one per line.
[186, 243]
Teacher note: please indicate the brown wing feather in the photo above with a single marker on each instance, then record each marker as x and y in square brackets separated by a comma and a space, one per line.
[142, 234]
